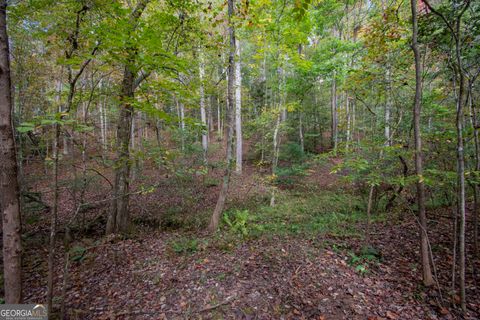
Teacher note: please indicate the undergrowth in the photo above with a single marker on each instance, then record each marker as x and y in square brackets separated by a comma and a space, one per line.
[335, 214]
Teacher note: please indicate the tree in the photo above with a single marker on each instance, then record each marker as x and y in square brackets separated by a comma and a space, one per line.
[238, 109]
[203, 113]
[215, 219]
[118, 218]
[9, 190]
[455, 30]
[424, 251]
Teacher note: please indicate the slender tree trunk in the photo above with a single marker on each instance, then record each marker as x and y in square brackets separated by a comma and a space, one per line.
[276, 143]
[102, 128]
[9, 190]
[203, 114]
[388, 106]
[282, 94]
[455, 30]
[53, 224]
[84, 165]
[264, 81]
[300, 131]
[215, 219]
[280, 118]
[334, 120]
[181, 107]
[103, 124]
[369, 215]
[211, 125]
[461, 187]
[238, 110]
[460, 159]
[276, 152]
[141, 123]
[347, 111]
[219, 118]
[427, 272]
[454, 248]
[353, 121]
[476, 188]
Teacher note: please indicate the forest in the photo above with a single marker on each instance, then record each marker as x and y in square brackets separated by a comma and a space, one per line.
[240, 159]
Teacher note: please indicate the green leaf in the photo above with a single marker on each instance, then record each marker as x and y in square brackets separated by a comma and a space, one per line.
[25, 127]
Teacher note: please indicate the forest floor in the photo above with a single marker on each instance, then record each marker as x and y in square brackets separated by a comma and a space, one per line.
[302, 259]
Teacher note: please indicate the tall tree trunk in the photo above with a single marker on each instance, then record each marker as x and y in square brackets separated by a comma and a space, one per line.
[461, 157]
[476, 188]
[203, 114]
[455, 31]
[211, 125]
[461, 184]
[388, 105]
[103, 122]
[348, 114]
[300, 131]
[53, 224]
[282, 115]
[215, 219]
[282, 93]
[9, 190]
[369, 215]
[276, 153]
[238, 110]
[334, 120]
[276, 142]
[427, 272]
[264, 81]
[353, 121]
[119, 218]
[219, 118]
[181, 108]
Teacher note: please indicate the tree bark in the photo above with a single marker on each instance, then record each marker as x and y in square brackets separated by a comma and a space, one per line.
[219, 119]
[334, 120]
[426, 270]
[103, 122]
[203, 114]
[53, 224]
[369, 215]
[300, 131]
[476, 188]
[119, 215]
[388, 105]
[9, 190]
[238, 110]
[119, 219]
[461, 183]
[347, 111]
[215, 219]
